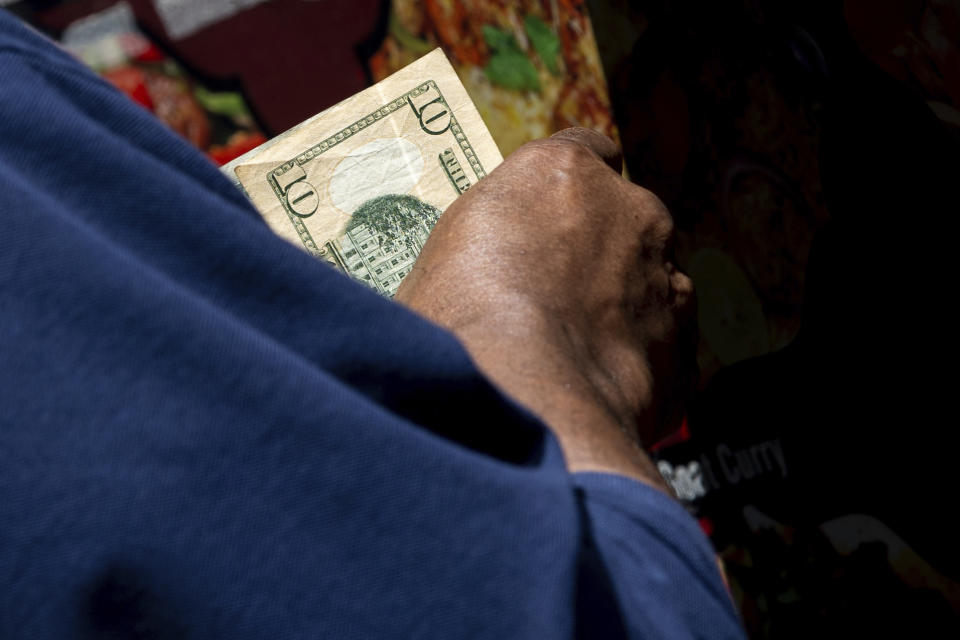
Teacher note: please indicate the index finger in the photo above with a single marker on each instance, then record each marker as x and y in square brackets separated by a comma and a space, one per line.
[600, 144]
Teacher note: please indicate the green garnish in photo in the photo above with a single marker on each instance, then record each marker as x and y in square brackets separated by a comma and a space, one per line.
[226, 103]
[545, 42]
[509, 67]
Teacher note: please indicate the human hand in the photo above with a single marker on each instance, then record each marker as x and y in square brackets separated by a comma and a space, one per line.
[557, 275]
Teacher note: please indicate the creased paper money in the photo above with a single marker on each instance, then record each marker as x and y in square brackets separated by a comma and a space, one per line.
[361, 184]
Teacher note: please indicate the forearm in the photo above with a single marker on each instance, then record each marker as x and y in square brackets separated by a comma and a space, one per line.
[591, 436]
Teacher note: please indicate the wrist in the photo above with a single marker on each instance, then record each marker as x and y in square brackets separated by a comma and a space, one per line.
[543, 365]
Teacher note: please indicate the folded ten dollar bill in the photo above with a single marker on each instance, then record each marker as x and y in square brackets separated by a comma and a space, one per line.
[361, 184]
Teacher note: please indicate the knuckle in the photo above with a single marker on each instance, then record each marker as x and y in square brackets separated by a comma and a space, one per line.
[656, 219]
[532, 147]
[560, 165]
[570, 150]
[563, 158]
[529, 153]
[683, 285]
[683, 294]
[659, 212]
[664, 229]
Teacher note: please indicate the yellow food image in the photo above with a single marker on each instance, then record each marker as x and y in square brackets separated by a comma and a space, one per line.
[532, 67]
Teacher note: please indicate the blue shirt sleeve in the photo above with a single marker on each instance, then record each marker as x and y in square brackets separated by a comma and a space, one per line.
[660, 568]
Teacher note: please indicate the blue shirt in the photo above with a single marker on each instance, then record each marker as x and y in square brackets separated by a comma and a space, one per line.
[207, 433]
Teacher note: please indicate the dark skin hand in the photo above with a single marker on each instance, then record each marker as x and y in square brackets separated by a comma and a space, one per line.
[558, 277]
